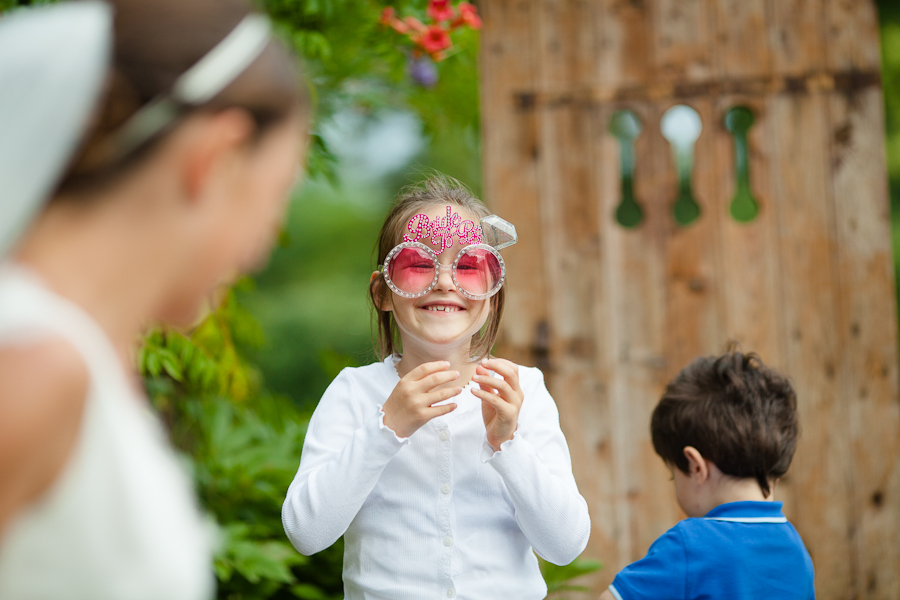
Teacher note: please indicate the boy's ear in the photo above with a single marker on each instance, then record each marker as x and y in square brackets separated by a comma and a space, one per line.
[378, 289]
[698, 469]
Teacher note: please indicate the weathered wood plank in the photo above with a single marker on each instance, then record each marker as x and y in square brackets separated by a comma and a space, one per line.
[851, 34]
[794, 31]
[748, 251]
[682, 48]
[571, 255]
[511, 149]
[800, 173]
[612, 513]
[622, 34]
[867, 333]
[694, 318]
[740, 48]
[637, 277]
[565, 44]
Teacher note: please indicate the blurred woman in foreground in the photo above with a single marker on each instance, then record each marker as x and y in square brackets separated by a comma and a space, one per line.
[146, 151]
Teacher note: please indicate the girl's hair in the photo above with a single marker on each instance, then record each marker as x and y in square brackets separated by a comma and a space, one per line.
[155, 42]
[436, 190]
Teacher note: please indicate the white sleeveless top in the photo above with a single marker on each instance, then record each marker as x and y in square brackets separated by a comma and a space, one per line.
[121, 519]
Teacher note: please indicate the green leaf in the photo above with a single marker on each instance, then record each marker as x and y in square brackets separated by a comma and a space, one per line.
[307, 591]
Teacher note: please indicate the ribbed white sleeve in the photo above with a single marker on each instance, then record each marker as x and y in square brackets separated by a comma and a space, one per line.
[537, 470]
[338, 469]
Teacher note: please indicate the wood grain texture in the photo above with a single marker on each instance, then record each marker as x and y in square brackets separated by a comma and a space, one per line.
[866, 331]
[693, 266]
[571, 243]
[850, 28]
[821, 471]
[739, 45]
[511, 150]
[794, 35]
[682, 40]
[640, 313]
[612, 313]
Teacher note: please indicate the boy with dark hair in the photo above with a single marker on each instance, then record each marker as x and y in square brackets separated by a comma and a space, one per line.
[727, 428]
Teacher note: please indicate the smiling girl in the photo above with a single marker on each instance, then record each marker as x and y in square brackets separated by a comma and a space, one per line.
[444, 468]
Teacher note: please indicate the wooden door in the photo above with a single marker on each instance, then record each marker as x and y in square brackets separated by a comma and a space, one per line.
[612, 312]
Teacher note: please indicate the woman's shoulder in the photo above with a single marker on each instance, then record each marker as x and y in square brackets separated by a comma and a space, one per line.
[42, 399]
[47, 376]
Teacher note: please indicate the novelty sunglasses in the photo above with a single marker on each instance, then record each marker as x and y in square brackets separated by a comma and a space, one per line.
[411, 269]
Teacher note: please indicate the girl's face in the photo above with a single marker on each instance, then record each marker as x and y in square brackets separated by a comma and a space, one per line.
[443, 317]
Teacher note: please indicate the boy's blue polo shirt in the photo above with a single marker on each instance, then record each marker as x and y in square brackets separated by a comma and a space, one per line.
[739, 550]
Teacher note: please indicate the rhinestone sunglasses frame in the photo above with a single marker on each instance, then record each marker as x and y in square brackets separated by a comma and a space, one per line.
[385, 272]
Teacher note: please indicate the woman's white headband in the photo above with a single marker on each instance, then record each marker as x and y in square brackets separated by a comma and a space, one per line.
[198, 85]
[53, 64]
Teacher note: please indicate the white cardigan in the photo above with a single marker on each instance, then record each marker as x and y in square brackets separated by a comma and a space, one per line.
[438, 514]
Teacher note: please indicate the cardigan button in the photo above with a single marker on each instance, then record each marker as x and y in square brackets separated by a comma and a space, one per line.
[444, 435]
[445, 488]
[451, 593]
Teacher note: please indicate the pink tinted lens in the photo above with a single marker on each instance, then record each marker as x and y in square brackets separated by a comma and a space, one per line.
[411, 270]
[478, 271]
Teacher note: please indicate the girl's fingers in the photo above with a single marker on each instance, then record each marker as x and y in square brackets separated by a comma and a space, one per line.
[426, 369]
[436, 380]
[439, 411]
[499, 404]
[508, 370]
[440, 395]
[496, 386]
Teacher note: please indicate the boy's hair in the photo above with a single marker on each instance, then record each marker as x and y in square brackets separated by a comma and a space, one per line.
[736, 411]
[437, 190]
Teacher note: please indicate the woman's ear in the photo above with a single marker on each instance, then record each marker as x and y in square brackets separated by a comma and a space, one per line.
[382, 299]
[698, 469]
[208, 145]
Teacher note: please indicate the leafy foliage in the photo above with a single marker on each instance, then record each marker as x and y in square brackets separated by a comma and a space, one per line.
[243, 446]
[559, 578]
[352, 62]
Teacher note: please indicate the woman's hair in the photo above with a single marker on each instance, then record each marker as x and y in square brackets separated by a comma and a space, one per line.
[737, 412]
[156, 42]
[436, 190]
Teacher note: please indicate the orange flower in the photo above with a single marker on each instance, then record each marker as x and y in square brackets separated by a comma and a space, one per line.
[415, 24]
[440, 10]
[468, 15]
[387, 15]
[388, 19]
[434, 39]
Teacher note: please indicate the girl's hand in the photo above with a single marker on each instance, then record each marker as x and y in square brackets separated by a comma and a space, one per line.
[501, 399]
[410, 404]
